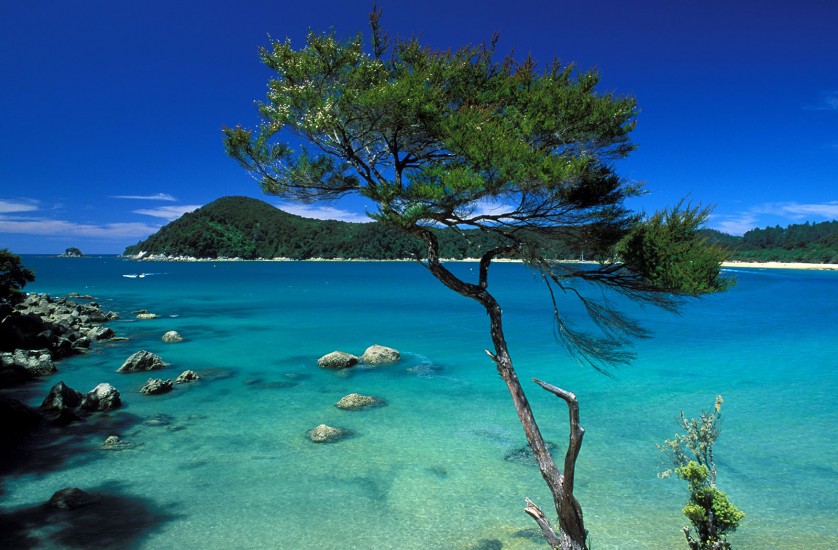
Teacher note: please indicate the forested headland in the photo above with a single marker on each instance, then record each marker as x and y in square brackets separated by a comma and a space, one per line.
[247, 228]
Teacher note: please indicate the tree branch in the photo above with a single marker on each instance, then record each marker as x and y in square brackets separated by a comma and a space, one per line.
[576, 432]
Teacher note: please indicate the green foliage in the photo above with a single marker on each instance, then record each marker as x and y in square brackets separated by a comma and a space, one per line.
[806, 243]
[670, 254]
[711, 513]
[13, 276]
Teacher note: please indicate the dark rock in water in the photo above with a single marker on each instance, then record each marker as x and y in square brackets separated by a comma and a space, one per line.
[70, 498]
[326, 434]
[101, 333]
[337, 360]
[103, 397]
[523, 455]
[258, 383]
[156, 386]
[187, 376]
[141, 361]
[488, 544]
[159, 420]
[34, 362]
[356, 401]
[62, 397]
[65, 418]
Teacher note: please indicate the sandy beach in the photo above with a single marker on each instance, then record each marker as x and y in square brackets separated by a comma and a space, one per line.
[782, 265]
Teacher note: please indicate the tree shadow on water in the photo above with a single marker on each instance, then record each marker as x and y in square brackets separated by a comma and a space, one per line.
[110, 518]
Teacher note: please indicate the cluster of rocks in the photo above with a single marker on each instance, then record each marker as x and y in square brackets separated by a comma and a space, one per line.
[144, 361]
[374, 355]
[40, 329]
[65, 405]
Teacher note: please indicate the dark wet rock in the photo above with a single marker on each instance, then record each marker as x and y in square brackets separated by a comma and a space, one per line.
[326, 434]
[337, 360]
[523, 455]
[380, 355]
[172, 337]
[62, 397]
[157, 386]
[356, 401]
[70, 498]
[187, 376]
[141, 361]
[100, 333]
[34, 363]
[103, 397]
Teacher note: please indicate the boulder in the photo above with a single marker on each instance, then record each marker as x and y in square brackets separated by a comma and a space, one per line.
[70, 498]
[113, 443]
[35, 362]
[156, 386]
[326, 434]
[62, 397]
[146, 316]
[141, 361]
[355, 401]
[187, 376]
[380, 355]
[172, 337]
[103, 397]
[337, 360]
[16, 420]
[100, 333]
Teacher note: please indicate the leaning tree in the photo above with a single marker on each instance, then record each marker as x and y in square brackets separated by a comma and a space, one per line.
[466, 141]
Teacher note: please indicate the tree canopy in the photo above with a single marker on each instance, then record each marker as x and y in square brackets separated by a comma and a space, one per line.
[13, 276]
[464, 139]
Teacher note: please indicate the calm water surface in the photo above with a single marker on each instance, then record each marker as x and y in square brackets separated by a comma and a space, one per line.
[227, 464]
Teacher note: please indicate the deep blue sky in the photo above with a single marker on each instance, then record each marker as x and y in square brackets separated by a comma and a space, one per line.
[112, 111]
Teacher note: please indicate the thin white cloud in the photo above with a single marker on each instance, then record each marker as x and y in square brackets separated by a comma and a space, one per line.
[323, 212]
[828, 102]
[63, 228]
[798, 211]
[771, 213]
[157, 197]
[17, 206]
[168, 212]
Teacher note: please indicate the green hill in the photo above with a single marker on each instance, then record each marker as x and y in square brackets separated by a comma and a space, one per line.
[248, 228]
[242, 227]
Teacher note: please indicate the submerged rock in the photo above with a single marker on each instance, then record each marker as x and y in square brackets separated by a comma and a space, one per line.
[337, 360]
[380, 355]
[70, 498]
[326, 434]
[114, 443]
[187, 376]
[156, 386]
[103, 397]
[172, 337]
[523, 455]
[355, 401]
[141, 361]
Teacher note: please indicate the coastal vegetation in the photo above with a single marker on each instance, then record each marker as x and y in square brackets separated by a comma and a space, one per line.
[460, 140]
[711, 513]
[247, 228]
[13, 276]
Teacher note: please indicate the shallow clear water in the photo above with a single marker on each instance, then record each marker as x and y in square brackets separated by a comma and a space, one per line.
[233, 468]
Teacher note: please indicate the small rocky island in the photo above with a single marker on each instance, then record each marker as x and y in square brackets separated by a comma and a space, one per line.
[72, 252]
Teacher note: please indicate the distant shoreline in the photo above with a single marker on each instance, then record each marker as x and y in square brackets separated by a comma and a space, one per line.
[730, 264]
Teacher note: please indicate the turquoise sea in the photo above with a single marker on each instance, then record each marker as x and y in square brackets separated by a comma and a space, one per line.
[225, 463]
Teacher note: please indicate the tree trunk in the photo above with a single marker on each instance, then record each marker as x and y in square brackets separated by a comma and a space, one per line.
[572, 534]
